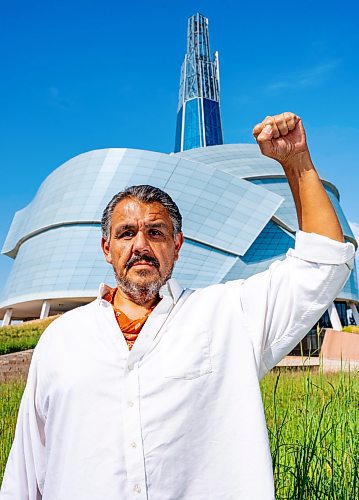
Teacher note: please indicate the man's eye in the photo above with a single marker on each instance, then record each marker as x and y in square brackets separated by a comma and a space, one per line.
[154, 232]
[126, 234]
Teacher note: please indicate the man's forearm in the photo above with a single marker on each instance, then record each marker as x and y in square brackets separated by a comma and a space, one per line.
[282, 137]
[315, 211]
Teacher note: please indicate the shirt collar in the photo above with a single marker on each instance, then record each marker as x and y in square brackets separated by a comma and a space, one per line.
[172, 288]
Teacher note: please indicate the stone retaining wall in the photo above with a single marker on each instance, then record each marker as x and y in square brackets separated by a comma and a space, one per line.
[14, 366]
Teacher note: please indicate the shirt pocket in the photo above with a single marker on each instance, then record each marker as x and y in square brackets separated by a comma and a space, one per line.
[186, 353]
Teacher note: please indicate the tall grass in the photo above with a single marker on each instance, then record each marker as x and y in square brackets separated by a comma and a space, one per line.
[10, 396]
[313, 422]
[313, 430]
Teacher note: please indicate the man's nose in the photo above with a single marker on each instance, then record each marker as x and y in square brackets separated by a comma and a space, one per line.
[140, 243]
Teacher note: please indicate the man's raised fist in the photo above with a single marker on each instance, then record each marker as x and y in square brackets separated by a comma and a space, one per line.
[281, 137]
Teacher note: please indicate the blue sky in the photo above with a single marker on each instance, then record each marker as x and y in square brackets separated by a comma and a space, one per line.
[83, 75]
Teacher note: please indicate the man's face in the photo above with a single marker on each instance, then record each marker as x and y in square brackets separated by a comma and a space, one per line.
[142, 248]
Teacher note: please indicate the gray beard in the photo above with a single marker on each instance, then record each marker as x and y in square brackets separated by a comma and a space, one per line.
[140, 294]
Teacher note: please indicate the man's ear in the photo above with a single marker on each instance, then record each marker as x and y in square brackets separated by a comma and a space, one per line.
[178, 243]
[106, 250]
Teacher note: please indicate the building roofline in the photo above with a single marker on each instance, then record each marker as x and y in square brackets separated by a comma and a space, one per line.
[280, 176]
[13, 251]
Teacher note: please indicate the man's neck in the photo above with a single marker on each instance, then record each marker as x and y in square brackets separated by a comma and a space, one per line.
[130, 308]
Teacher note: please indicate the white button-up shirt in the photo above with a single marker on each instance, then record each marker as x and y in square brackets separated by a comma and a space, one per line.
[180, 416]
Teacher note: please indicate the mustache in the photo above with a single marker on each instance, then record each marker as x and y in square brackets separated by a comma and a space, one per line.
[142, 257]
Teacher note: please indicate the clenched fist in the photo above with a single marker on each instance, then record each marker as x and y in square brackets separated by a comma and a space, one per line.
[281, 137]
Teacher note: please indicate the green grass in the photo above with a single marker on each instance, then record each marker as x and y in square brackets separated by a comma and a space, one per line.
[10, 396]
[313, 430]
[23, 336]
[312, 422]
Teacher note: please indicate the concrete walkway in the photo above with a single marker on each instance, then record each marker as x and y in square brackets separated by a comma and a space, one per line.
[298, 362]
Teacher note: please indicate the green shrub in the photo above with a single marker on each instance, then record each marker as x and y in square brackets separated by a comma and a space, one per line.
[351, 329]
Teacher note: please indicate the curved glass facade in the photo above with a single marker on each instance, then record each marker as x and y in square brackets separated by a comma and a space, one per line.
[287, 214]
[271, 244]
[237, 209]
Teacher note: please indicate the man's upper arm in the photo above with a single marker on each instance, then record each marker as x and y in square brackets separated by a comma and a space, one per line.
[282, 304]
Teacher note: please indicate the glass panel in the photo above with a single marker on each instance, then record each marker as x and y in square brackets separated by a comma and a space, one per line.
[191, 128]
[178, 130]
[212, 120]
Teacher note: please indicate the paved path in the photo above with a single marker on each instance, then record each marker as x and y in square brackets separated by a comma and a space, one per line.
[299, 361]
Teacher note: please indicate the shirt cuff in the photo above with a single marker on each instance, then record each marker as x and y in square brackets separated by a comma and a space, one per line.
[322, 250]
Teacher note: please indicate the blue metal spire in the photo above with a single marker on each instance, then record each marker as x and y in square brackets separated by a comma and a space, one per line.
[198, 115]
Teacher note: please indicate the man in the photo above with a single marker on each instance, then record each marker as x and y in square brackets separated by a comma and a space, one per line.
[168, 406]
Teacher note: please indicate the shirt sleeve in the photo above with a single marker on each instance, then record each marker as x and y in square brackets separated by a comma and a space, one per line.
[26, 462]
[281, 305]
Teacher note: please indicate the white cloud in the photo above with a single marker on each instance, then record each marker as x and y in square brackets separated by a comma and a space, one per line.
[307, 78]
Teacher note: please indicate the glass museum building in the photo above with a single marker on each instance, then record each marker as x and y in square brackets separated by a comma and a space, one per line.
[238, 212]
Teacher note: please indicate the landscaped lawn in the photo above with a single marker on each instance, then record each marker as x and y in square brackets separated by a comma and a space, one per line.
[24, 336]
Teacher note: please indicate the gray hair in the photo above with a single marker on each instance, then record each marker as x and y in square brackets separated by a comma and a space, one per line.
[145, 194]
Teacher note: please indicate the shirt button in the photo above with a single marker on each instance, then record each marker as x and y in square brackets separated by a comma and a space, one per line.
[130, 403]
[130, 367]
[133, 445]
[137, 488]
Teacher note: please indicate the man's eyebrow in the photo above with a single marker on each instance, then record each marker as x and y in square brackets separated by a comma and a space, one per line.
[124, 227]
[156, 224]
